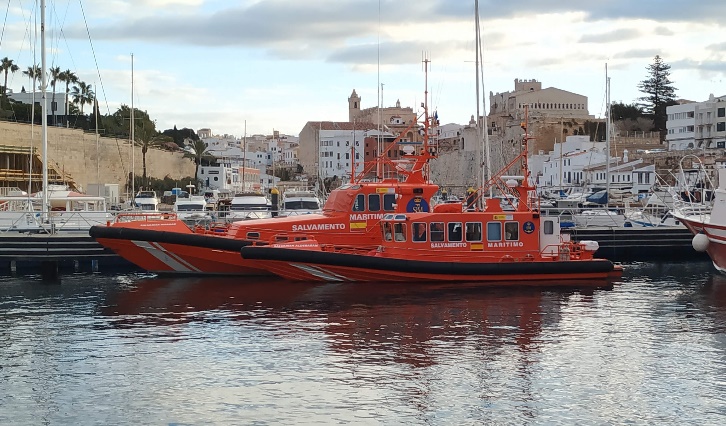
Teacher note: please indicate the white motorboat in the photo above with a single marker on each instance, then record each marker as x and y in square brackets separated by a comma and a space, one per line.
[248, 206]
[193, 208]
[296, 202]
[146, 201]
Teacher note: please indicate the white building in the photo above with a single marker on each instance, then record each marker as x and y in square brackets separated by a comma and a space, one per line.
[583, 164]
[56, 102]
[563, 166]
[697, 125]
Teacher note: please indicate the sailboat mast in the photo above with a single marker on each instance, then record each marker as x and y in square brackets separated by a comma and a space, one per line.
[379, 149]
[133, 166]
[44, 106]
[607, 137]
[477, 162]
[244, 158]
[98, 158]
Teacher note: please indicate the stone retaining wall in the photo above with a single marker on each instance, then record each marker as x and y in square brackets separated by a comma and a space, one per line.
[75, 153]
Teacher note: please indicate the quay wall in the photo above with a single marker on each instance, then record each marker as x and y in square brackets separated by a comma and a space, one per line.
[73, 152]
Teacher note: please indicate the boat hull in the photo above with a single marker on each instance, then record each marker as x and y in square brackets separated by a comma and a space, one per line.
[716, 234]
[311, 265]
[169, 252]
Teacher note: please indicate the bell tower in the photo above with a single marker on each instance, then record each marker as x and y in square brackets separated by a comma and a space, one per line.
[353, 106]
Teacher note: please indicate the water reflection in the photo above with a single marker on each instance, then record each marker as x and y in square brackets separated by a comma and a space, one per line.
[404, 323]
[134, 349]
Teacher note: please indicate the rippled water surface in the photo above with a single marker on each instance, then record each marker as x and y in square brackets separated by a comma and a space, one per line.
[134, 349]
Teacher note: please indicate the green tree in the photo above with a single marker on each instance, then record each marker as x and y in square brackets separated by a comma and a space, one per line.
[621, 111]
[83, 94]
[659, 92]
[68, 77]
[180, 135]
[147, 136]
[33, 74]
[55, 73]
[7, 65]
[198, 153]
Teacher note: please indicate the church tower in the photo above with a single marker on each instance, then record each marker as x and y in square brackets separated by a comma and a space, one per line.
[353, 106]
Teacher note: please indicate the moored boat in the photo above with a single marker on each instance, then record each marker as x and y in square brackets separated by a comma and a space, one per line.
[708, 225]
[350, 216]
[451, 243]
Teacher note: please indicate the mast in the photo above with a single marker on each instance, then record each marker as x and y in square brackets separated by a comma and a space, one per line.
[244, 158]
[477, 163]
[43, 104]
[379, 164]
[98, 160]
[607, 138]
[485, 124]
[133, 166]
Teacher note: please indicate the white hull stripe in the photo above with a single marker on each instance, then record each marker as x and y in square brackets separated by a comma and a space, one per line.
[169, 259]
[320, 273]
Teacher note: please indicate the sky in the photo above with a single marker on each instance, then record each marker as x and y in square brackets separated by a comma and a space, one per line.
[254, 66]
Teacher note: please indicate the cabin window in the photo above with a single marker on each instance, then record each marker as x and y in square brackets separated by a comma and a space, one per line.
[389, 202]
[494, 231]
[454, 231]
[419, 232]
[399, 231]
[359, 204]
[473, 231]
[387, 236]
[511, 231]
[253, 235]
[436, 230]
[549, 227]
[374, 202]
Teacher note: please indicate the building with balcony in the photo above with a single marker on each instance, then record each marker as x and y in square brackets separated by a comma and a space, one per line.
[697, 125]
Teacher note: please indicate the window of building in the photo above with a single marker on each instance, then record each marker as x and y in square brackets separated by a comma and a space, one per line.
[721, 112]
[721, 126]
[436, 230]
[455, 233]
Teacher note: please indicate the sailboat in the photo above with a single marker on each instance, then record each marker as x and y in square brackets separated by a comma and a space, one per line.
[56, 207]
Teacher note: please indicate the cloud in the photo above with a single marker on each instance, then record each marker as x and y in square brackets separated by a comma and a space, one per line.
[611, 36]
[637, 54]
[663, 31]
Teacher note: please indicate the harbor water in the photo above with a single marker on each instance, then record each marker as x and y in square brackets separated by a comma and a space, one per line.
[138, 349]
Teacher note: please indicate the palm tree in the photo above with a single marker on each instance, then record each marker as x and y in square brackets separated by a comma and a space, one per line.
[54, 78]
[198, 153]
[148, 137]
[33, 74]
[68, 77]
[7, 65]
[83, 94]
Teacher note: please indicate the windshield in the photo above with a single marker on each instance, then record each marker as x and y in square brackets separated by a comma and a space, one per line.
[302, 205]
[189, 207]
[145, 195]
[239, 207]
